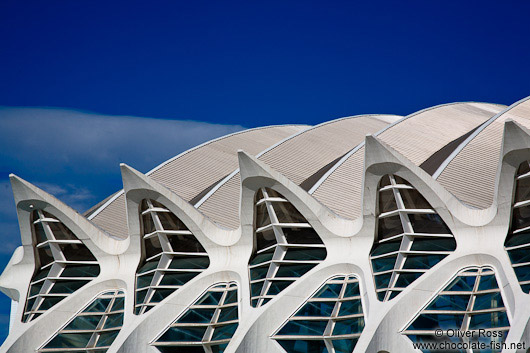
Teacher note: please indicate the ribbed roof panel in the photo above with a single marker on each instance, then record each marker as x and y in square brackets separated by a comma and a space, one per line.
[417, 137]
[298, 158]
[193, 171]
[479, 159]
[224, 207]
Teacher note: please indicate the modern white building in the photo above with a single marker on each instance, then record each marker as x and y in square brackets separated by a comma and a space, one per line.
[370, 233]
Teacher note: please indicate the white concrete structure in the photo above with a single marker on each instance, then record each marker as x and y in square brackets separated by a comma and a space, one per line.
[350, 236]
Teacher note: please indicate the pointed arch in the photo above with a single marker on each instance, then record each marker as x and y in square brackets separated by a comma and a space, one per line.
[171, 255]
[285, 246]
[410, 237]
[331, 320]
[207, 325]
[517, 242]
[63, 264]
[471, 301]
[93, 329]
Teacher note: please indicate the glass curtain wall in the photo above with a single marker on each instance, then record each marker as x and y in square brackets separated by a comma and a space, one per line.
[206, 326]
[63, 264]
[472, 301]
[285, 247]
[172, 256]
[518, 241]
[92, 330]
[331, 321]
[410, 237]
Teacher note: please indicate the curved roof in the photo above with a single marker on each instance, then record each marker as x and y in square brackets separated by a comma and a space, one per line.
[298, 157]
[447, 141]
[417, 136]
[477, 158]
[191, 172]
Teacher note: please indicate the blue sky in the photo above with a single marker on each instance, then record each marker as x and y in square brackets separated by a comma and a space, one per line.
[75, 75]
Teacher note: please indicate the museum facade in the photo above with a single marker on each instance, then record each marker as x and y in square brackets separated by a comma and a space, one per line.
[372, 233]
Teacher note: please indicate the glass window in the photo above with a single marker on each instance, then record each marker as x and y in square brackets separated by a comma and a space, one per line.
[461, 305]
[84, 330]
[387, 201]
[48, 228]
[216, 310]
[414, 227]
[517, 242]
[319, 322]
[279, 245]
[173, 240]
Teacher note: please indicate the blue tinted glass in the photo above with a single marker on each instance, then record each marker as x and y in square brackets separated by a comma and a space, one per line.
[191, 262]
[351, 307]
[436, 244]
[84, 323]
[231, 297]
[293, 270]
[393, 294]
[329, 291]
[255, 288]
[316, 309]
[67, 286]
[300, 346]
[523, 273]
[487, 282]
[215, 348]
[67, 340]
[258, 272]
[183, 334]
[304, 328]
[302, 254]
[106, 338]
[99, 305]
[385, 248]
[181, 349]
[144, 281]
[228, 314]
[462, 284]
[434, 321]
[114, 320]
[489, 320]
[348, 326]
[80, 271]
[450, 302]
[224, 332]
[49, 302]
[161, 294]
[197, 316]
[262, 257]
[422, 261]
[210, 298]
[518, 239]
[352, 290]
[488, 301]
[118, 304]
[344, 346]
[384, 264]
[382, 281]
[277, 286]
[428, 223]
[177, 279]
[518, 256]
[404, 279]
[148, 266]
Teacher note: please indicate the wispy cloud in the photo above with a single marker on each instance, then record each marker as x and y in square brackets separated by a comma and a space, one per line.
[75, 155]
[56, 140]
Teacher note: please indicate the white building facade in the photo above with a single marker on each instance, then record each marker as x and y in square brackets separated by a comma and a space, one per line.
[370, 233]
